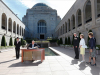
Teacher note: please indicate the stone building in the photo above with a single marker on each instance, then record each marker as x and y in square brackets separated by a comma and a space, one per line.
[41, 21]
[10, 24]
[83, 16]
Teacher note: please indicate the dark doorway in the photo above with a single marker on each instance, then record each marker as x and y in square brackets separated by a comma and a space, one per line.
[41, 36]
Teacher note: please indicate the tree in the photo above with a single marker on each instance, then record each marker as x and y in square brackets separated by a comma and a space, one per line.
[21, 41]
[66, 42]
[61, 41]
[11, 42]
[15, 41]
[69, 42]
[3, 41]
[79, 36]
[72, 39]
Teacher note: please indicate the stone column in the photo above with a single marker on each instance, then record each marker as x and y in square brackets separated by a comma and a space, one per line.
[19, 31]
[93, 6]
[16, 30]
[0, 20]
[76, 24]
[65, 29]
[83, 17]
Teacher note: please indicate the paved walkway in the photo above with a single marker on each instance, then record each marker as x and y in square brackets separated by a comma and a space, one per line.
[53, 65]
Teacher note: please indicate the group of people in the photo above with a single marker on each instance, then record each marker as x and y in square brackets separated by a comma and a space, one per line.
[18, 44]
[80, 44]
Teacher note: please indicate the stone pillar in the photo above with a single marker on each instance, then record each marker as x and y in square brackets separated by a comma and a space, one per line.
[93, 6]
[0, 20]
[19, 31]
[83, 17]
[76, 20]
[65, 29]
[16, 30]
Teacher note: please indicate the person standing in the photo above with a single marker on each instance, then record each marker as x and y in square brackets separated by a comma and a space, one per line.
[82, 47]
[17, 48]
[92, 49]
[76, 45]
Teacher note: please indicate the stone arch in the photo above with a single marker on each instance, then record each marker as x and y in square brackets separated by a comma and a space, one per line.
[14, 27]
[17, 28]
[73, 21]
[98, 8]
[10, 24]
[4, 21]
[88, 11]
[69, 29]
[79, 17]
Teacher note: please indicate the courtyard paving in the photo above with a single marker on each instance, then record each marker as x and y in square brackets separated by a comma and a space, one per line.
[64, 64]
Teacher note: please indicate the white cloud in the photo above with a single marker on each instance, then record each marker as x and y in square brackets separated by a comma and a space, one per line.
[62, 6]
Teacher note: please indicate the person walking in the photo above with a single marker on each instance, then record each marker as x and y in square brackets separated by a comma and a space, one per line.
[82, 47]
[76, 46]
[92, 49]
[17, 48]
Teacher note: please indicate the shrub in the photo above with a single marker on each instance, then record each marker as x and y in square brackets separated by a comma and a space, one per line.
[11, 42]
[3, 41]
[66, 41]
[21, 41]
[69, 42]
[24, 42]
[72, 39]
[61, 42]
[15, 41]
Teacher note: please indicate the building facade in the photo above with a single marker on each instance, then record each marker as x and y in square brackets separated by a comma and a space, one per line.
[41, 21]
[83, 16]
[10, 24]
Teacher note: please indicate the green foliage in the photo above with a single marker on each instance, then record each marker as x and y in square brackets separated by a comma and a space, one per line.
[3, 41]
[52, 40]
[79, 36]
[61, 42]
[69, 42]
[72, 39]
[66, 41]
[24, 42]
[11, 42]
[15, 41]
[21, 41]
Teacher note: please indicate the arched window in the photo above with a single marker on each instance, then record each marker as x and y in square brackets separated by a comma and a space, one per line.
[4, 21]
[20, 30]
[79, 18]
[98, 8]
[63, 29]
[88, 13]
[42, 28]
[66, 27]
[10, 25]
[69, 25]
[14, 27]
[73, 21]
[17, 28]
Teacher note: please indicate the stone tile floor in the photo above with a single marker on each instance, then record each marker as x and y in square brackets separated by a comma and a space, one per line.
[52, 65]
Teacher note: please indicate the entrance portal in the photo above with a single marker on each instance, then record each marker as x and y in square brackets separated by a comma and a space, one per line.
[41, 36]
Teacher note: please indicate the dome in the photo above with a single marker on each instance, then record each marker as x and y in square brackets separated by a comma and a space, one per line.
[40, 4]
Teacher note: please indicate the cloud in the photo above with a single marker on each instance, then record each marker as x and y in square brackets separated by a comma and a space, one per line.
[62, 6]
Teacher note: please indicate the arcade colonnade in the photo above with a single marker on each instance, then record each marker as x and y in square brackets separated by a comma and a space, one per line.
[83, 16]
[10, 24]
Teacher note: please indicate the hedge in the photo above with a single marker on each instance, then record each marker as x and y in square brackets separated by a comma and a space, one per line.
[11, 42]
[3, 41]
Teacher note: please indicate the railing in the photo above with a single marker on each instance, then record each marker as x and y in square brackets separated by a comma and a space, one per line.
[89, 20]
[79, 25]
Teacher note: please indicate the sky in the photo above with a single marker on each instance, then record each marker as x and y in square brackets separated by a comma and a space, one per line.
[19, 7]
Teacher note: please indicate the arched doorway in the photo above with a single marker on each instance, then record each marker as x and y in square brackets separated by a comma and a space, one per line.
[88, 13]
[79, 18]
[42, 29]
[98, 8]
[4, 21]
[14, 27]
[10, 25]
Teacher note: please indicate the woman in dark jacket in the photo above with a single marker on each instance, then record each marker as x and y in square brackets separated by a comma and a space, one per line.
[92, 49]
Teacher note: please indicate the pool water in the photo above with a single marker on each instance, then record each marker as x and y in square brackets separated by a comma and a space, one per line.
[49, 52]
